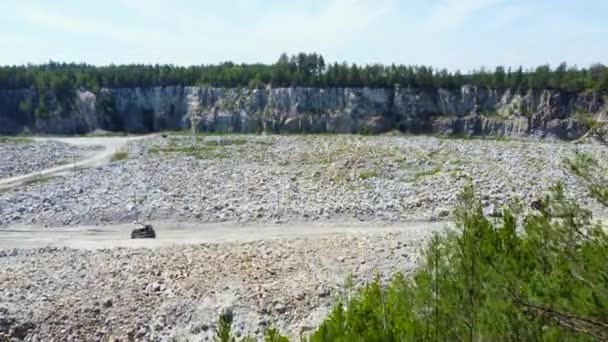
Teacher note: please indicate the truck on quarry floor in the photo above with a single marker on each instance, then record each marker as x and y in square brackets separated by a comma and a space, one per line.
[146, 231]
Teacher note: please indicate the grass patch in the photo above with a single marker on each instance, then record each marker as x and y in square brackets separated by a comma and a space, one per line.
[200, 152]
[105, 134]
[263, 142]
[225, 142]
[154, 149]
[369, 174]
[15, 140]
[37, 180]
[185, 149]
[463, 136]
[182, 133]
[427, 173]
[204, 149]
[120, 156]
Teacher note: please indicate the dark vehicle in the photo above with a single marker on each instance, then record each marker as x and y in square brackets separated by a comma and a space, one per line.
[145, 232]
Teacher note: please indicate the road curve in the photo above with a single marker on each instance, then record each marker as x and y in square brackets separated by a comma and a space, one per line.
[110, 146]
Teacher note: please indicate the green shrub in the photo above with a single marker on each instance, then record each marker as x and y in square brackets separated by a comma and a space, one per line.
[487, 281]
[369, 174]
[544, 279]
[154, 149]
[255, 84]
[535, 276]
[119, 156]
[273, 335]
[25, 106]
[42, 112]
[224, 331]
[593, 175]
[427, 173]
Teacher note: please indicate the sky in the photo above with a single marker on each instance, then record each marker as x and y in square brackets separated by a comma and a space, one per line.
[453, 34]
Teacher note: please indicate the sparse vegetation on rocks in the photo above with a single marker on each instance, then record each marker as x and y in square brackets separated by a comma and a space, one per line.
[120, 156]
[14, 140]
[534, 277]
[317, 178]
[502, 271]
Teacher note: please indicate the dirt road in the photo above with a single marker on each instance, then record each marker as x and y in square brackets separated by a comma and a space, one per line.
[110, 146]
[187, 233]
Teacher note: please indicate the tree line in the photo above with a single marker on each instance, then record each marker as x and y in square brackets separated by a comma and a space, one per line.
[303, 69]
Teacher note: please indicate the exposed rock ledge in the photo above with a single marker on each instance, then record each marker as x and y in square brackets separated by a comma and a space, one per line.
[469, 110]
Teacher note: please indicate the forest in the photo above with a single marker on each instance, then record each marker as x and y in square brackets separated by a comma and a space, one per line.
[300, 70]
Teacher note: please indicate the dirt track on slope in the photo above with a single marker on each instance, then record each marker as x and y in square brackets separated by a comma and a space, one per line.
[110, 146]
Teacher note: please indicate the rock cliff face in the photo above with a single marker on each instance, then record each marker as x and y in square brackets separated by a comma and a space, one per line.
[470, 110]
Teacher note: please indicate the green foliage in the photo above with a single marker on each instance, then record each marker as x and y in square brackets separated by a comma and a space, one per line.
[207, 150]
[427, 173]
[273, 335]
[369, 174]
[224, 330]
[536, 276]
[37, 180]
[255, 83]
[593, 174]
[106, 104]
[119, 156]
[225, 142]
[42, 111]
[248, 339]
[298, 70]
[55, 89]
[492, 281]
[201, 152]
[25, 106]
[586, 118]
[15, 140]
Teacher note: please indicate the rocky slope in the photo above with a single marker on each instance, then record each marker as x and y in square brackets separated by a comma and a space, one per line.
[256, 178]
[176, 293]
[469, 110]
[22, 156]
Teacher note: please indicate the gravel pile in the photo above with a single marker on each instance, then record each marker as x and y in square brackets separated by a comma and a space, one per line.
[295, 179]
[19, 157]
[178, 292]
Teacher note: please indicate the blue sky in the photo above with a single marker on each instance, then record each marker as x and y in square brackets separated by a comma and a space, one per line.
[456, 34]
